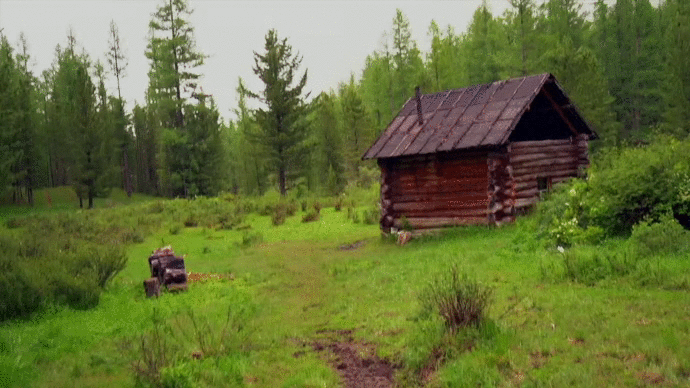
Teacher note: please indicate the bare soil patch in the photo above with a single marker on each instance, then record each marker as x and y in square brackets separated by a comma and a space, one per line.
[353, 246]
[204, 277]
[355, 361]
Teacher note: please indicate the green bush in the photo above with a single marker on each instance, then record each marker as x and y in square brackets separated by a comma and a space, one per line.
[593, 265]
[371, 215]
[633, 184]
[249, 238]
[666, 237]
[312, 216]
[625, 187]
[458, 299]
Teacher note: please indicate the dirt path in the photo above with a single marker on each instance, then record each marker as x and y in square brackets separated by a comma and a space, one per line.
[356, 362]
[302, 299]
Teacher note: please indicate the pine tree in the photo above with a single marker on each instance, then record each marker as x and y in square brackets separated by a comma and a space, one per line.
[283, 118]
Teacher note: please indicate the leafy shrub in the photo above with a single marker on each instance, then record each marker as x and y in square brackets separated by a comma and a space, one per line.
[593, 265]
[564, 217]
[179, 376]
[249, 239]
[625, 187]
[339, 202]
[312, 216]
[634, 184]
[175, 229]
[458, 299]
[371, 215]
[666, 237]
[278, 216]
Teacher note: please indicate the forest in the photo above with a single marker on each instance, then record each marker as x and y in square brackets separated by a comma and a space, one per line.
[625, 66]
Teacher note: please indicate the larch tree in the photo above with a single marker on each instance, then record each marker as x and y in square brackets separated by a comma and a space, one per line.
[357, 131]
[282, 118]
[117, 61]
[173, 80]
[76, 101]
[481, 47]
[523, 41]
[174, 56]
[248, 157]
[676, 23]
[10, 114]
[330, 145]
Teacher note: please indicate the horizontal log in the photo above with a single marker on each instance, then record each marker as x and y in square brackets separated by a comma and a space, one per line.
[532, 143]
[545, 170]
[546, 162]
[517, 159]
[523, 202]
[519, 186]
[527, 193]
[553, 175]
[435, 222]
[423, 179]
[543, 150]
[440, 205]
[432, 191]
[476, 212]
[435, 205]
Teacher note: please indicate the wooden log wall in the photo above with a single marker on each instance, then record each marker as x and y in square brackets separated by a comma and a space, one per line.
[555, 160]
[501, 190]
[432, 191]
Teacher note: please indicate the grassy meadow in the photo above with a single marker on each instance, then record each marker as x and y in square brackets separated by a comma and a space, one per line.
[583, 316]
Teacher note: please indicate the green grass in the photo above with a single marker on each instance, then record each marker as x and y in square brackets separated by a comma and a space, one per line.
[300, 287]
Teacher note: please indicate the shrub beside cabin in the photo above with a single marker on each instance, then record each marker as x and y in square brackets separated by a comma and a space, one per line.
[478, 155]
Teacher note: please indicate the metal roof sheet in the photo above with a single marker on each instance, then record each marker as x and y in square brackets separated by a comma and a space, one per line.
[476, 116]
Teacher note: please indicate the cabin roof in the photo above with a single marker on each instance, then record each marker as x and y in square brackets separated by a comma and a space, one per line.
[477, 116]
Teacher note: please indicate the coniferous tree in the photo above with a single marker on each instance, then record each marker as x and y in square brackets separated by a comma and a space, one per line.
[77, 117]
[481, 47]
[248, 158]
[330, 146]
[676, 22]
[117, 62]
[172, 81]
[283, 118]
[357, 131]
[444, 61]
[10, 115]
[521, 24]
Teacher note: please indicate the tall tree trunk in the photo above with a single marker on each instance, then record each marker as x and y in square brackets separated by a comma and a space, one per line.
[282, 181]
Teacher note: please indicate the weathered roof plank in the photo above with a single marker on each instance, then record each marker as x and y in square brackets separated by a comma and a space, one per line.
[476, 116]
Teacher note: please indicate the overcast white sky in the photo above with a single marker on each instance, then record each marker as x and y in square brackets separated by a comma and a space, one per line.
[334, 37]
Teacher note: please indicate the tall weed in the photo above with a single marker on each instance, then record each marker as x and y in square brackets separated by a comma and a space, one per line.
[460, 300]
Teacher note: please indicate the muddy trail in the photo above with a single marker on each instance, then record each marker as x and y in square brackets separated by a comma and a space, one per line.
[356, 362]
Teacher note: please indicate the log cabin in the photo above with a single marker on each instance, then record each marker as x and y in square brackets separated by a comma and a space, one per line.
[478, 155]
